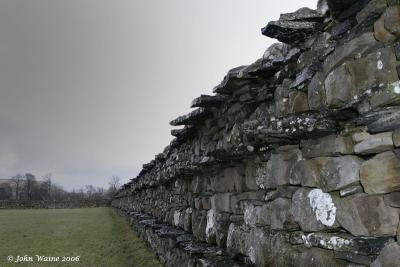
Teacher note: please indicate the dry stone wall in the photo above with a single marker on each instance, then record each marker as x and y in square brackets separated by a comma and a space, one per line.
[295, 160]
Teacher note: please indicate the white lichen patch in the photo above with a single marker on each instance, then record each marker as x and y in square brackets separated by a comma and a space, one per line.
[397, 89]
[322, 206]
[210, 229]
[379, 65]
[177, 215]
[252, 255]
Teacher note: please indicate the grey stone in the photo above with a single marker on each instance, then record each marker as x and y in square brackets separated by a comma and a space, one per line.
[205, 101]
[298, 102]
[340, 86]
[357, 46]
[373, 9]
[360, 136]
[340, 172]
[388, 96]
[308, 172]
[396, 138]
[279, 212]
[355, 189]
[355, 258]
[392, 199]
[315, 257]
[256, 215]
[237, 200]
[389, 257]
[380, 32]
[381, 174]
[375, 144]
[237, 234]
[316, 92]
[314, 210]
[364, 215]
[221, 202]
[392, 20]
[331, 145]
[277, 170]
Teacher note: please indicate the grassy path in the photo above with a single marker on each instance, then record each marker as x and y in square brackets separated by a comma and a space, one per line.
[97, 235]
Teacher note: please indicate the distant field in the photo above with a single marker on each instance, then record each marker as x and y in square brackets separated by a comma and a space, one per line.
[97, 235]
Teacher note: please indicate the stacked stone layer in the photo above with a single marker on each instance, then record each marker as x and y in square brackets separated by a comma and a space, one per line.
[295, 160]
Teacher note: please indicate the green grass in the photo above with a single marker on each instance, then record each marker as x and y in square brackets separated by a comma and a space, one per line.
[98, 235]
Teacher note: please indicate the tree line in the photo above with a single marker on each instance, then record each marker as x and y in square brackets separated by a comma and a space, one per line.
[27, 187]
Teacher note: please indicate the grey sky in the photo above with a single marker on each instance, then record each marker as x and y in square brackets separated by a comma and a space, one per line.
[87, 88]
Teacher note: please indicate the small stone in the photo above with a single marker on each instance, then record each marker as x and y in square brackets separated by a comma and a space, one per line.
[355, 189]
[381, 174]
[375, 144]
[396, 138]
[390, 256]
[392, 199]
[359, 137]
[364, 215]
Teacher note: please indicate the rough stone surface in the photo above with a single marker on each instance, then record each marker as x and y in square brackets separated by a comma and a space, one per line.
[375, 144]
[381, 174]
[390, 256]
[364, 215]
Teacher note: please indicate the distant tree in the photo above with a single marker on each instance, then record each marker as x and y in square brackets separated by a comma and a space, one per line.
[30, 186]
[45, 186]
[114, 185]
[19, 183]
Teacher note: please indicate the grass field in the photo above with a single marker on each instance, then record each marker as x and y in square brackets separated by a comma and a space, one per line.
[97, 235]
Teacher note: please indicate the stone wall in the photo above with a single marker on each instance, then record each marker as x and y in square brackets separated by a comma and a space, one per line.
[49, 204]
[295, 160]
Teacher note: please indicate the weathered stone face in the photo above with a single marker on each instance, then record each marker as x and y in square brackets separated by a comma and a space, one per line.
[364, 215]
[375, 144]
[381, 174]
[331, 145]
[390, 256]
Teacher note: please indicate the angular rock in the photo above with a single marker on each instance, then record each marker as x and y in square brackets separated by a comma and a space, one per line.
[255, 215]
[279, 212]
[364, 215]
[298, 102]
[340, 172]
[234, 80]
[238, 200]
[396, 138]
[375, 144]
[314, 210]
[390, 256]
[316, 92]
[340, 86]
[291, 32]
[383, 120]
[331, 145]
[374, 9]
[337, 6]
[392, 199]
[308, 172]
[236, 235]
[381, 174]
[316, 257]
[392, 20]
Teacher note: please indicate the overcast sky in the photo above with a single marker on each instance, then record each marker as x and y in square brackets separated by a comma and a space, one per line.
[88, 87]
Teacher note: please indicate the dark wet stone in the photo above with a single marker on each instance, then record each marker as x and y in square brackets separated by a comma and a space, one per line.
[392, 199]
[234, 80]
[342, 28]
[306, 74]
[355, 258]
[291, 32]
[205, 101]
[337, 6]
[303, 14]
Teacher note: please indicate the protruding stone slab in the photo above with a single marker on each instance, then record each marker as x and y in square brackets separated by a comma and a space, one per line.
[375, 144]
[314, 210]
[192, 118]
[381, 174]
[205, 101]
[364, 215]
[235, 79]
[388, 96]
